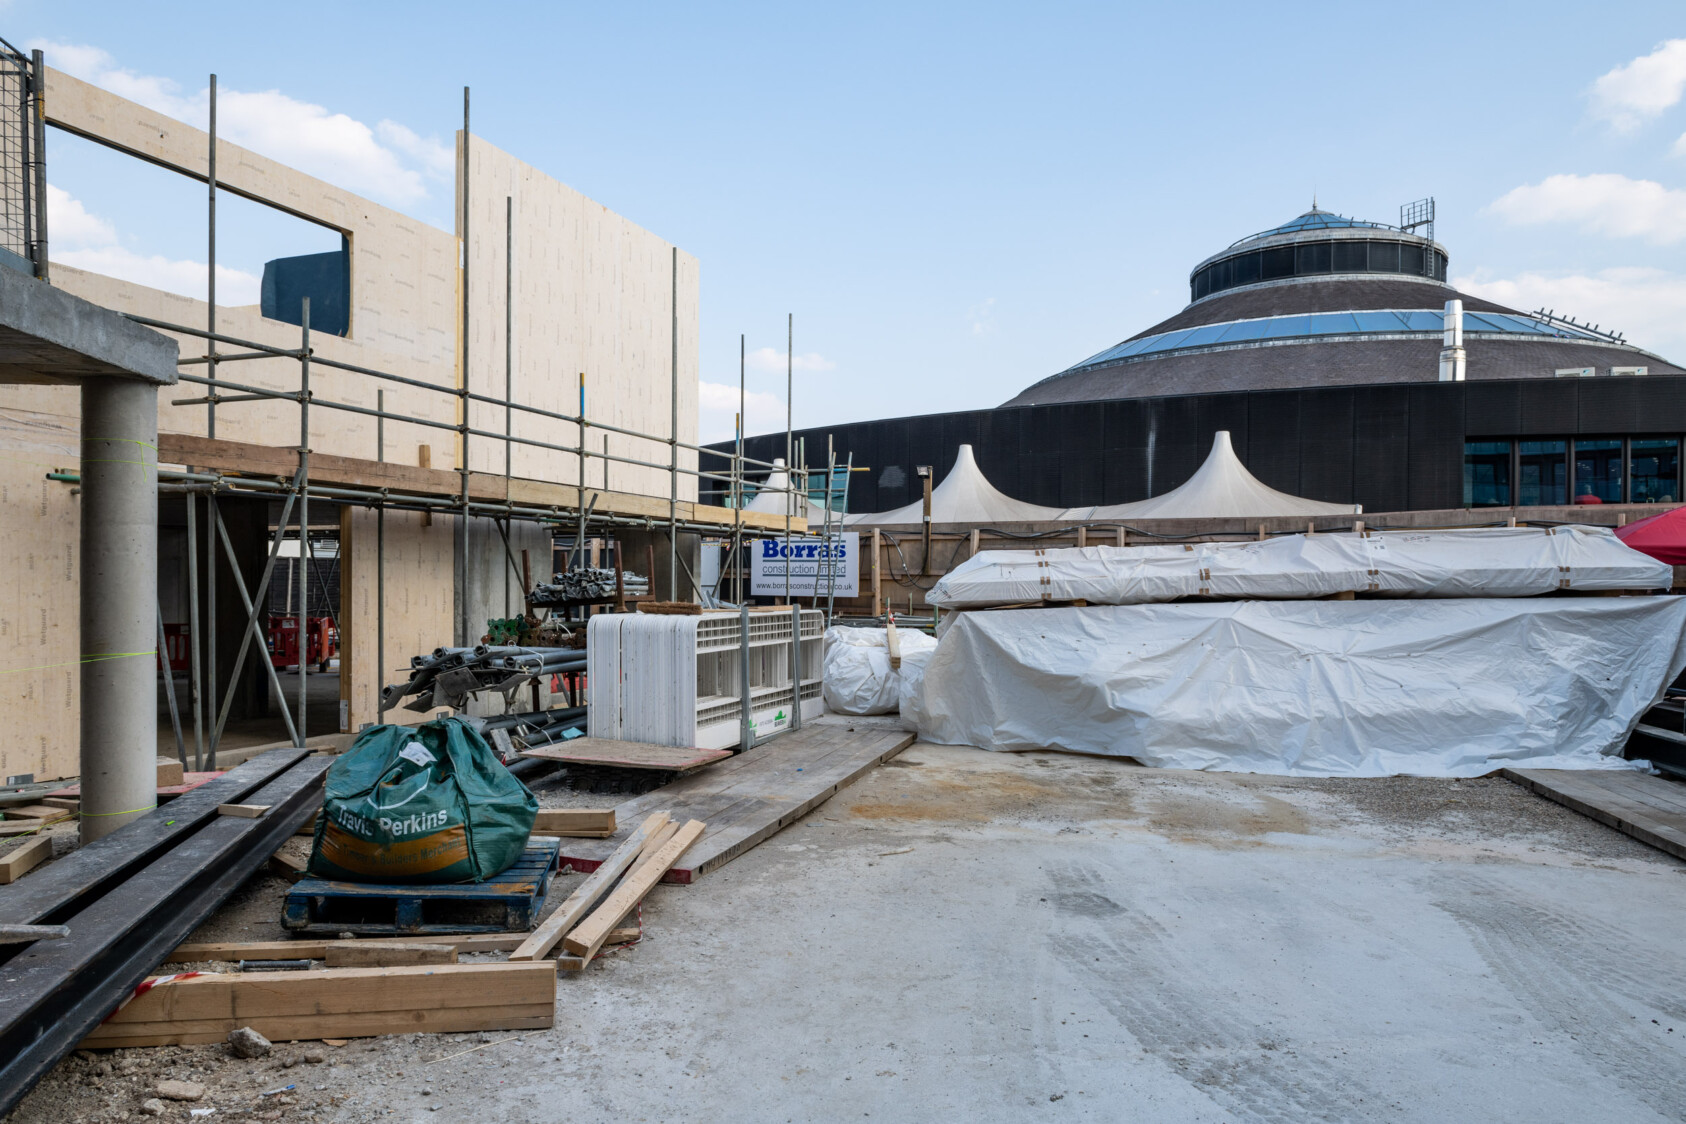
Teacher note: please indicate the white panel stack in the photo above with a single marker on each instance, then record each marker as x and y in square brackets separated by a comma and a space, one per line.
[678, 680]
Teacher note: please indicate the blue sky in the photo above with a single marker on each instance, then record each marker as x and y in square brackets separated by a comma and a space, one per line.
[953, 200]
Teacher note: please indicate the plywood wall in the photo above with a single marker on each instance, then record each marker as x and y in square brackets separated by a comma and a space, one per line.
[40, 674]
[593, 293]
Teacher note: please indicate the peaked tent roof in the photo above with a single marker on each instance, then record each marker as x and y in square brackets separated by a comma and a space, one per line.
[1663, 536]
[772, 498]
[1222, 488]
[964, 496]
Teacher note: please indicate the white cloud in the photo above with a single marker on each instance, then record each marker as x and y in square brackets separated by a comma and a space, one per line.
[83, 240]
[1637, 91]
[767, 359]
[1606, 203]
[72, 225]
[982, 317]
[1646, 305]
[333, 146]
[717, 404]
[187, 278]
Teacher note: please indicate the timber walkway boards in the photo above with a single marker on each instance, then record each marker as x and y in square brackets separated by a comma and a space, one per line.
[750, 797]
[1650, 809]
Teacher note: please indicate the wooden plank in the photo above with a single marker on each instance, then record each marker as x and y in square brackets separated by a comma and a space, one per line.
[45, 813]
[65, 802]
[1629, 805]
[589, 936]
[575, 821]
[628, 755]
[287, 867]
[24, 859]
[585, 895]
[752, 796]
[386, 954]
[244, 811]
[318, 949]
[335, 1003]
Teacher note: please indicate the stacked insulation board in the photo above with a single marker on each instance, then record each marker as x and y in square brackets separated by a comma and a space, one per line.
[678, 680]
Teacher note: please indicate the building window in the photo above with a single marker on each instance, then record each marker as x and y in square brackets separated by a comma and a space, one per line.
[1655, 469]
[1487, 473]
[1542, 473]
[1598, 471]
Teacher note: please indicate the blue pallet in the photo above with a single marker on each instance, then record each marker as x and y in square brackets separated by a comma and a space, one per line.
[505, 903]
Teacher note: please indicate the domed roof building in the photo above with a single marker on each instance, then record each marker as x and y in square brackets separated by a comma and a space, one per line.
[1325, 300]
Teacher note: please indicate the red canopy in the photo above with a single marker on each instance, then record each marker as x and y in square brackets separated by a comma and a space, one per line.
[1663, 536]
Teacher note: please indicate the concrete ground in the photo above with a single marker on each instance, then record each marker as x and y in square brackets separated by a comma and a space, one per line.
[989, 937]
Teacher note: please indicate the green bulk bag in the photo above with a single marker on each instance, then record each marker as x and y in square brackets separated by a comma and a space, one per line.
[428, 803]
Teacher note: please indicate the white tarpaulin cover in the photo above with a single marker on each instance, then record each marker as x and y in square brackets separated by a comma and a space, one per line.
[1221, 489]
[964, 496]
[1488, 562]
[858, 676]
[1311, 688]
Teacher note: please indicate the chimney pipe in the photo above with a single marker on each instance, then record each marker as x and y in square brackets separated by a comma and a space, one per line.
[1452, 359]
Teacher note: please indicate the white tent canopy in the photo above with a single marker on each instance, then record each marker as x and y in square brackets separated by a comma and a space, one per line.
[1221, 489]
[964, 496]
[772, 499]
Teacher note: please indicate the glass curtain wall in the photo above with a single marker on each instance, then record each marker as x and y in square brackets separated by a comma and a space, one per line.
[1654, 469]
[1487, 474]
[1598, 471]
[1542, 473]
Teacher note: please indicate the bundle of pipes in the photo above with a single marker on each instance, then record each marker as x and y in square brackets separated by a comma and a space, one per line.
[587, 584]
[450, 675]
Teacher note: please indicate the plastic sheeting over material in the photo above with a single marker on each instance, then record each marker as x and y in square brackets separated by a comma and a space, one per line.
[964, 496]
[1489, 562]
[1311, 688]
[1221, 489]
[858, 676]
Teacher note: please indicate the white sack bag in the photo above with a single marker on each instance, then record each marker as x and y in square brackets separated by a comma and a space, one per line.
[917, 650]
[858, 679]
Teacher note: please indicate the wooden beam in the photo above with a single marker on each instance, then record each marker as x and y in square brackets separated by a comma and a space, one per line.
[41, 813]
[243, 811]
[387, 954]
[585, 940]
[591, 823]
[585, 895]
[25, 859]
[335, 1003]
[246, 458]
[318, 950]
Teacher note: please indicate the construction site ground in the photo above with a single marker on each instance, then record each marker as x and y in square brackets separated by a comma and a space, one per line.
[999, 937]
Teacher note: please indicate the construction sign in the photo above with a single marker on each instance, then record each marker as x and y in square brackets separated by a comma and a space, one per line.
[816, 567]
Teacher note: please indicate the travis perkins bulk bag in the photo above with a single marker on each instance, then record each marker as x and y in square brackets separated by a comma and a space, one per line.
[427, 803]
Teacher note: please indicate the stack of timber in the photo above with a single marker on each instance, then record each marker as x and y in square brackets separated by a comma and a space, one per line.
[597, 908]
[126, 900]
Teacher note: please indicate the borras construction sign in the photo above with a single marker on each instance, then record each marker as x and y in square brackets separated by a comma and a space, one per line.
[813, 567]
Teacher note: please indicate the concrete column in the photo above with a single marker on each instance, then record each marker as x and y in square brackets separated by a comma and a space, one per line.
[119, 594]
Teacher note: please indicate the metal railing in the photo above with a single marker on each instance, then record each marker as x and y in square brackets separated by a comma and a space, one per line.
[23, 165]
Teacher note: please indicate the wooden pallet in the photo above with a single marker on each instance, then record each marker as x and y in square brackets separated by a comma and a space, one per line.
[750, 797]
[506, 903]
[1650, 809]
[607, 752]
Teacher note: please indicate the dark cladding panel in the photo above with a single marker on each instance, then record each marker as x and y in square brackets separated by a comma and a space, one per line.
[1045, 452]
[1380, 448]
[1664, 401]
[1550, 407]
[1080, 437]
[1173, 446]
[1436, 445]
[1272, 448]
[1326, 437]
[1614, 406]
[1492, 409]
[1000, 445]
[1124, 477]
